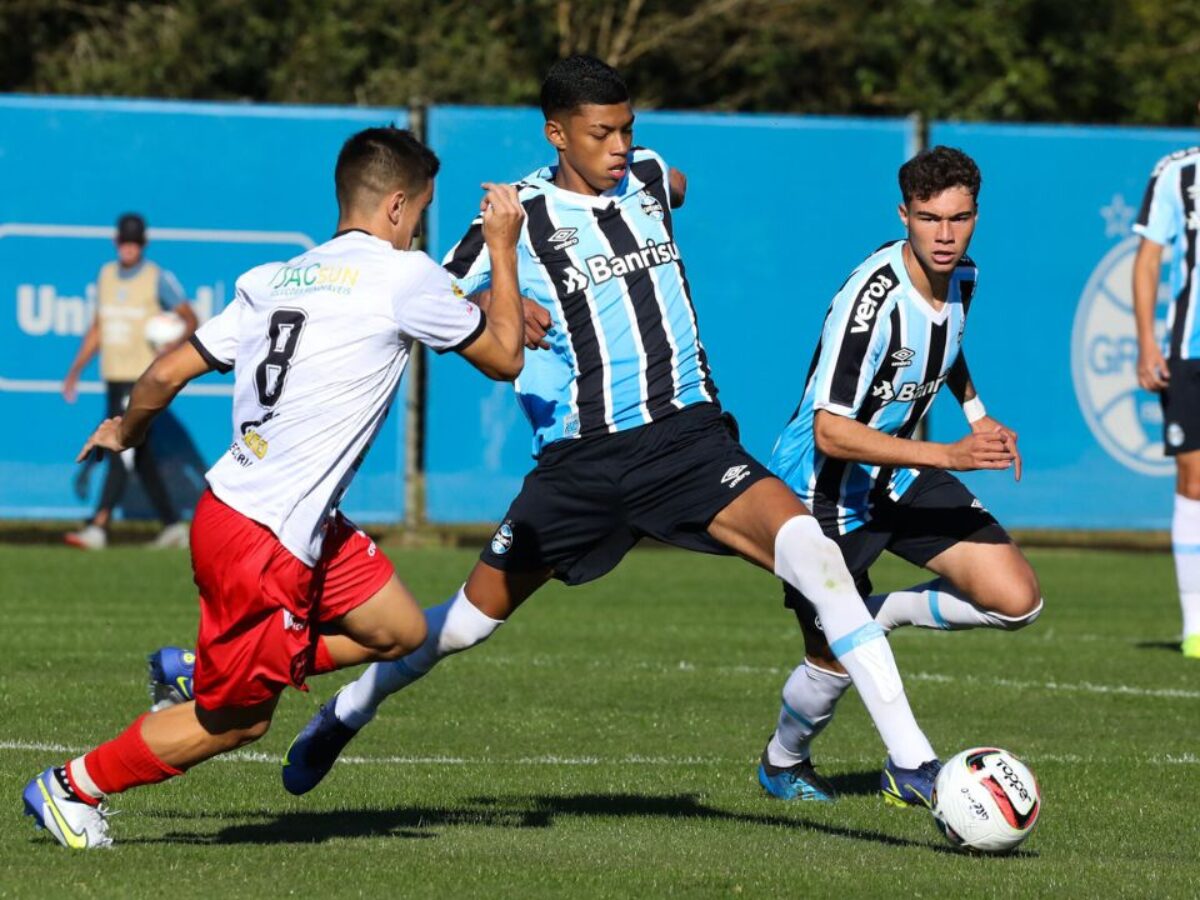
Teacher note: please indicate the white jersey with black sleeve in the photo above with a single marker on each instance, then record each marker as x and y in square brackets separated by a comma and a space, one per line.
[318, 345]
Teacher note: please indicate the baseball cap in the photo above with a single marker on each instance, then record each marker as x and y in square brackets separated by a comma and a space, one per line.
[131, 229]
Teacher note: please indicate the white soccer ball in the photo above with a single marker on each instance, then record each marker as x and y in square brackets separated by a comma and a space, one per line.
[164, 328]
[987, 800]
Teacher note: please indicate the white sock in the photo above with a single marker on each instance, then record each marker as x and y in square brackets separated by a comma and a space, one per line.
[1185, 541]
[82, 779]
[938, 604]
[454, 626]
[809, 697]
[813, 565]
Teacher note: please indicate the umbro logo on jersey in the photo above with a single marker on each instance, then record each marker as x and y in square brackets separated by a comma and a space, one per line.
[574, 281]
[563, 238]
[734, 475]
[650, 205]
[1193, 221]
[903, 357]
[292, 623]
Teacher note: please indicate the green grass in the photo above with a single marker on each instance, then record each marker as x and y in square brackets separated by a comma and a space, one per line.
[604, 743]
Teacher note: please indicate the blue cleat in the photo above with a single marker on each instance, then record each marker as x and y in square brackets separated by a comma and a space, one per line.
[315, 750]
[798, 782]
[171, 670]
[54, 806]
[909, 787]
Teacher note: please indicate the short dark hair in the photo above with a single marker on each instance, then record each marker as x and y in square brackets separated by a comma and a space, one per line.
[376, 161]
[934, 170]
[131, 229]
[578, 80]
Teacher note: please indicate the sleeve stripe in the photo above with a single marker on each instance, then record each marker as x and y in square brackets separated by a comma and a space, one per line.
[470, 338]
[212, 361]
[467, 251]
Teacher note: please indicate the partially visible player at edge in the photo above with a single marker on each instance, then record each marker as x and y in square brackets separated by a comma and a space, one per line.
[1169, 217]
[629, 438]
[891, 339]
[318, 345]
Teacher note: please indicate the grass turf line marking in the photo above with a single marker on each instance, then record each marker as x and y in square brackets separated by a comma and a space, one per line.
[255, 756]
[1085, 687]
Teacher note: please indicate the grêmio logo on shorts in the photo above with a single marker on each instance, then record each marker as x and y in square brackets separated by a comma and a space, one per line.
[502, 540]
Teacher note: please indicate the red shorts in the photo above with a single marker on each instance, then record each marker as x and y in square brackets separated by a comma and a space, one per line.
[260, 606]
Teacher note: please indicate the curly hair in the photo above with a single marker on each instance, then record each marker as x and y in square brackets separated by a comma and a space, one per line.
[579, 80]
[934, 170]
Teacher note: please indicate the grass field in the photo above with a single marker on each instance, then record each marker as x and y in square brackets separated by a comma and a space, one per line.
[604, 743]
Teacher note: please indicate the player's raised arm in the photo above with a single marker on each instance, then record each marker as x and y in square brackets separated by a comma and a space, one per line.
[499, 351]
[152, 393]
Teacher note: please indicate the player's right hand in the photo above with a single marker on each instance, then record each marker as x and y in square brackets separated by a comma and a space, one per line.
[107, 437]
[70, 388]
[1152, 369]
[502, 216]
[983, 450]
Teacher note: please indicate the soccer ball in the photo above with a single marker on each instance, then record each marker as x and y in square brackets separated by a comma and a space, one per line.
[987, 800]
[164, 328]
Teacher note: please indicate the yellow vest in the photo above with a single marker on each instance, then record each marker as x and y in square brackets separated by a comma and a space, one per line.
[124, 305]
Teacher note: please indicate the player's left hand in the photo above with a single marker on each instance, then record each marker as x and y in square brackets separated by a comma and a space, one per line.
[106, 437]
[537, 324]
[989, 425]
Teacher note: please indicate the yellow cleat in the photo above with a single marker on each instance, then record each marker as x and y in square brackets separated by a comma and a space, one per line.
[1191, 646]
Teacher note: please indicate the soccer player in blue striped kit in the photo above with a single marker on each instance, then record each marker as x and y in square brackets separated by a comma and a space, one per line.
[891, 339]
[629, 438]
[1169, 217]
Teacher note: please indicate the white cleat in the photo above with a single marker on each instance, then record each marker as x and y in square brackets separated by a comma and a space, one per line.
[89, 537]
[173, 536]
[75, 824]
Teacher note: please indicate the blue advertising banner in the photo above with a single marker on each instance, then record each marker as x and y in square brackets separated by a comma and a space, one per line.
[779, 210]
[224, 187]
[1051, 340]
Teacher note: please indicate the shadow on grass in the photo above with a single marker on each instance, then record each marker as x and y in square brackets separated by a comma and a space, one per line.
[1173, 646]
[498, 812]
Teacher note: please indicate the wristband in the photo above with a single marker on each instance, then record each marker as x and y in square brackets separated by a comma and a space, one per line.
[973, 409]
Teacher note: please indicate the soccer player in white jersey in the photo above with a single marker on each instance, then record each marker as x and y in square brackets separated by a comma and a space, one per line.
[629, 439]
[289, 587]
[1169, 218]
[891, 339]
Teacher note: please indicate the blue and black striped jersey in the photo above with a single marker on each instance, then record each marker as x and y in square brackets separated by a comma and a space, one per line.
[625, 348]
[1169, 217]
[883, 355]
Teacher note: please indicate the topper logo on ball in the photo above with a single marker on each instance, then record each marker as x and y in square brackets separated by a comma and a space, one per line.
[1125, 420]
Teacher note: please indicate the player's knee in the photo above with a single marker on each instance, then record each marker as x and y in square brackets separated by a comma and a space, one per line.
[1022, 607]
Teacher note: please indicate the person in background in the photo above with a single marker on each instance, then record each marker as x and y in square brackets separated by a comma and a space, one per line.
[129, 292]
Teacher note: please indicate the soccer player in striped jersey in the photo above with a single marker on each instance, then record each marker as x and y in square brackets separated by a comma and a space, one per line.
[628, 435]
[891, 339]
[1169, 218]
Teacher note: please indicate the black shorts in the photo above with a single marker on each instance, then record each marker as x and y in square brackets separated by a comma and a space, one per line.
[934, 514]
[1181, 407]
[589, 501]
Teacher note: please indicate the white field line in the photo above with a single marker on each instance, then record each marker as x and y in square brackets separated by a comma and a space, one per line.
[1083, 687]
[551, 761]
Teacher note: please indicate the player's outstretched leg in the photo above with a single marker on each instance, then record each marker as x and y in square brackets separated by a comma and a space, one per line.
[981, 585]
[69, 801]
[452, 627]
[769, 525]
[809, 696]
